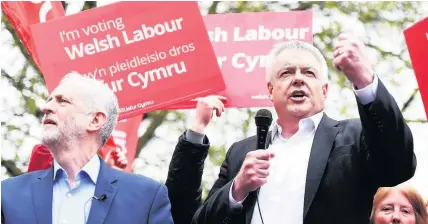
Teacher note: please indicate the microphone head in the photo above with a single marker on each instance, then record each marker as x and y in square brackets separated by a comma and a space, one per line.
[263, 118]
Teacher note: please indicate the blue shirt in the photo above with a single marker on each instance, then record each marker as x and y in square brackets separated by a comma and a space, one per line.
[72, 205]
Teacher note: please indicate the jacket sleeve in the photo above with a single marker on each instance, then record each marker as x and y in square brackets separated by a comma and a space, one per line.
[386, 140]
[160, 211]
[216, 208]
[185, 177]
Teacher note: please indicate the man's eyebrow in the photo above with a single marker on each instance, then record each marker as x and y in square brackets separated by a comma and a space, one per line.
[288, 65]
[310, 67]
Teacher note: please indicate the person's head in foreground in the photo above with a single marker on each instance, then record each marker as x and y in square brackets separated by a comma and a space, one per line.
[400, 204]
[80, 115]
[297, 76]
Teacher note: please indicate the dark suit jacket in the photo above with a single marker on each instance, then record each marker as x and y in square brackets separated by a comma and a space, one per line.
[349, 160]
[185, 177]
[130, 199]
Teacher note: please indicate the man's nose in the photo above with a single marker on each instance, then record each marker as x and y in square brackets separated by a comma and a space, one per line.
[47, 107]
[298, 78]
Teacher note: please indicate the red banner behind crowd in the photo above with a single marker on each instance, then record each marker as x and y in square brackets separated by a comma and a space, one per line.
[152, 54]
[22, 15]
[241, 42]
[417, 43]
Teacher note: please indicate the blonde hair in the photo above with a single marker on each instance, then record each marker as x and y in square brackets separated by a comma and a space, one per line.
[410, 193]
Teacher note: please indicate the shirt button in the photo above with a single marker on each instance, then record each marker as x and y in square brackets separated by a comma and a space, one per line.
[68, 196]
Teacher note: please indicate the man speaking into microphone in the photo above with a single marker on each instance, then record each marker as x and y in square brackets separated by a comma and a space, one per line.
[314, 169]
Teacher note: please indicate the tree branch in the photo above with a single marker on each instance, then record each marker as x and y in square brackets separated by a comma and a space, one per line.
[409, 101]
[64, 5]
[89, 5]
[416, 121]
[7, 76]
[213, 8]
[157, 119]
[11, 167]
[378, 49]
[30, 105]
[308, 5]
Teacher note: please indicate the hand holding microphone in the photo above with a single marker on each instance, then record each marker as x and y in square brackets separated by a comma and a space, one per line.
[255, 168]
[253, 173]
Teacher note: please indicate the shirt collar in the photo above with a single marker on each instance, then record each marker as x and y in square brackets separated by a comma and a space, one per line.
[92, 168]
[313, 120]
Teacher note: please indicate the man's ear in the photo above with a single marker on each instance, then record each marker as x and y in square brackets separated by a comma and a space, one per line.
[97, 121]
[270, 89]
[325, 90]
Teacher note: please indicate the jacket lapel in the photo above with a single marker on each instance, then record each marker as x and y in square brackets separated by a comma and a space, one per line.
[320, 152]
[105, 186]
[42, 196]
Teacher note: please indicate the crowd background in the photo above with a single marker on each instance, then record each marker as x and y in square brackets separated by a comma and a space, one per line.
[379, 24]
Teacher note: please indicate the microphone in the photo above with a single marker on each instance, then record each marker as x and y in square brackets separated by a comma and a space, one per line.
[263, 121]
[102, 198]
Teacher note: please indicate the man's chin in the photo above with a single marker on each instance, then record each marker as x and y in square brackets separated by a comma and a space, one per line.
[299, 111]
[49, 139]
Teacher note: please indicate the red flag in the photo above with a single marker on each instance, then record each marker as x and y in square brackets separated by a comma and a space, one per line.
[417, 43]
[41, 158]
[22, 15]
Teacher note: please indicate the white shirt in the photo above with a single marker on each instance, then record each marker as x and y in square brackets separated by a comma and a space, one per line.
[281, 198]
[72, 205]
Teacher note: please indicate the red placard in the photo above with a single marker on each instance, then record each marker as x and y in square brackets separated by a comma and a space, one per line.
[22, 14]
[417, 43]
[152, 54]
[241, 42]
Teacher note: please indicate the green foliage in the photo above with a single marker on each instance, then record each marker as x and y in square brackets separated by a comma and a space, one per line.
[216, 154]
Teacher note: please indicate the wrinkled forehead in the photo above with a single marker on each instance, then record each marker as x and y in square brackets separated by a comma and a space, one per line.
[395, 196]
[297, 58]
[70, 91]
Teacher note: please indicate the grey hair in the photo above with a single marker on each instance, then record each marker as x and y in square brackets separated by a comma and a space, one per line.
[98, 97]
[295, 44]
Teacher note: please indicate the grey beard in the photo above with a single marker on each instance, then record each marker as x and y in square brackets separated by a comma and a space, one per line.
[62, 139]
[55, 142]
